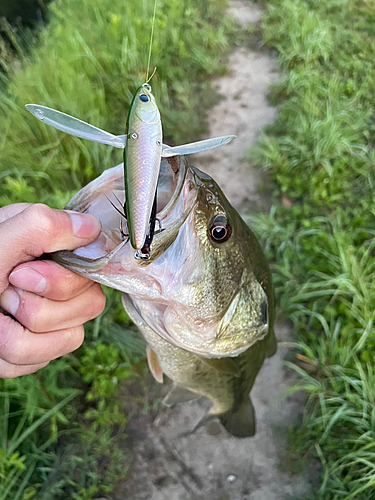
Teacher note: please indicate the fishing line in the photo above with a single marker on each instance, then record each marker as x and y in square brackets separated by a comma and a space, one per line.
[152, 74]
[151, 39]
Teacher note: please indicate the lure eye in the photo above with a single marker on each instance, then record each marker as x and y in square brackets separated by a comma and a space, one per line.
[144, 98]
[220, 230]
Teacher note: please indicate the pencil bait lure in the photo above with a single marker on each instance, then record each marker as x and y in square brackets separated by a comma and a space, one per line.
[78, 128]
[133, 142]
[142, 156]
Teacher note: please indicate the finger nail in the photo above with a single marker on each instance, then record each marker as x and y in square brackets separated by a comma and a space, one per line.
[84, 225]
[28, 279]
[9, 300]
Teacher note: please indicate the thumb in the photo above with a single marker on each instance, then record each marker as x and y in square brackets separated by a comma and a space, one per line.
[39, 229]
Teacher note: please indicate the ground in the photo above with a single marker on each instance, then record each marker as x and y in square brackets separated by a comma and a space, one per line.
[210, 464]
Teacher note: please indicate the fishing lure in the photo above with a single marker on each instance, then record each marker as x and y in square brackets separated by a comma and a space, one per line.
[142, 156]
[78, 128]
[83, 130]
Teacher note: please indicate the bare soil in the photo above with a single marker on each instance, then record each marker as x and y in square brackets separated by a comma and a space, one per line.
[210, 464]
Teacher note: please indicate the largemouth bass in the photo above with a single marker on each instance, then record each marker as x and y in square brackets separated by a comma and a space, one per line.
[203, 302]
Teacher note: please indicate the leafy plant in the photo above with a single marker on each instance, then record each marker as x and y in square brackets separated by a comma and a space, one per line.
[319, 156]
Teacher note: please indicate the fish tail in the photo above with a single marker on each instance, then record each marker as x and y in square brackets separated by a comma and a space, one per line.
[241, 422]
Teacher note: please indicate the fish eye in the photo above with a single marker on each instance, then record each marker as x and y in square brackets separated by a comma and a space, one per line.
[144, 98]
[220, 230]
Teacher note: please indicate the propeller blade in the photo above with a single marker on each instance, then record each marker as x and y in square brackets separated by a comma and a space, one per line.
[74, 126]
[196, 147]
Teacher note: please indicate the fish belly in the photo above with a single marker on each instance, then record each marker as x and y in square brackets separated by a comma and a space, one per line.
[184, 368]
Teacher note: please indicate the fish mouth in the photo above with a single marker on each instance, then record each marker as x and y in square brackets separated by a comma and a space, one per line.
[104, 197]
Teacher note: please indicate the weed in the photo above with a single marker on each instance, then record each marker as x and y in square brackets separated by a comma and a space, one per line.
[319, 154]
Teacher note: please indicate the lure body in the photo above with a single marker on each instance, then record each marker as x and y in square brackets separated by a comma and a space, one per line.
[142, 156]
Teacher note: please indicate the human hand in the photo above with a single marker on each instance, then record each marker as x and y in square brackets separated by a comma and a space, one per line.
[48, 304]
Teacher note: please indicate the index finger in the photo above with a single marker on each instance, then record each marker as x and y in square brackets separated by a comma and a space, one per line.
[48, 279]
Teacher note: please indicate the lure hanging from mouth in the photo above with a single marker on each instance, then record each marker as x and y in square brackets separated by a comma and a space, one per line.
[142, 156]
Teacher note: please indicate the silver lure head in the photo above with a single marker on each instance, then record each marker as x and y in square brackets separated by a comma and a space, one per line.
[144, 106]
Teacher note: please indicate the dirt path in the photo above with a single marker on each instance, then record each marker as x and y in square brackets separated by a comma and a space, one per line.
[244, 111]
[209, 464]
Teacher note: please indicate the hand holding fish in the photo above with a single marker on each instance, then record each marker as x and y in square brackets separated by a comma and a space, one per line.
[43, 306]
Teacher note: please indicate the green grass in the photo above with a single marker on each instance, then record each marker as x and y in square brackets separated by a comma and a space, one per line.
[62, 430]
[320, 159]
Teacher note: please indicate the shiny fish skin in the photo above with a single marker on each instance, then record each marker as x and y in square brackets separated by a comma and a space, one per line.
[205, 308]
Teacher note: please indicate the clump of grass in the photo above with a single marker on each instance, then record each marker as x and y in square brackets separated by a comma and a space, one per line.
[320, 157]
[324, 125]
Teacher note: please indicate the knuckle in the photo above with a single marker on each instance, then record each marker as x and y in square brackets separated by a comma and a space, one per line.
[72, 284]
[33, 322]
[42, 216]
[76, 337]
[30, 313]
[10, 349]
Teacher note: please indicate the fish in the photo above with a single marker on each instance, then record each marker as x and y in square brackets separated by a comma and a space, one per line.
[203, 302]
[143, 149]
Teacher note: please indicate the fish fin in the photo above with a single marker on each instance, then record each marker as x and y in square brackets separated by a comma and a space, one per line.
[196, 147]
[179, 395]
[272, 345]
[154, 366]
[225, 365]
[240, 423]
[75, 126]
